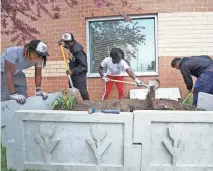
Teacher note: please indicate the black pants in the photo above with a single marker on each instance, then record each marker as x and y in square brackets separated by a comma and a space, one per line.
[80, 82]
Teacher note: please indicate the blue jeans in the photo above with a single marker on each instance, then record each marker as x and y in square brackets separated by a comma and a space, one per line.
[204, 83]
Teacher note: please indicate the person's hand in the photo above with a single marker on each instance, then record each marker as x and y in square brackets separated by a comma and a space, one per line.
[139, 82]
[191, 92]
[42, 94]
[18, 97]
[105, 79]
[68, 72]
[60, 42]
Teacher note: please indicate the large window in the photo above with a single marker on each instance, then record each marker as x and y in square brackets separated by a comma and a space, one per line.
[137, 39]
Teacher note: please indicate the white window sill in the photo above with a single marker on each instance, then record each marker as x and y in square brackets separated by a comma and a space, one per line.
[94, 75]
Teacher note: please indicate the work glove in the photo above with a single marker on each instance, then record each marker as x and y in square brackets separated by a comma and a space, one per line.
[105, 79]
[68, 72]
[40, 93]
[139, 82]
[18, 97]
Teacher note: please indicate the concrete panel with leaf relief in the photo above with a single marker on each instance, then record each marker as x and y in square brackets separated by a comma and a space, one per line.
[74, 141]
[175, 140]
[8, 108]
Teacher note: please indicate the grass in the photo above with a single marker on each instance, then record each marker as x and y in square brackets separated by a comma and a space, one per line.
[4, 160]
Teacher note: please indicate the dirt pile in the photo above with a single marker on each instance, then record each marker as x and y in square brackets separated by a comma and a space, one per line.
[129, 105]
[150, 98]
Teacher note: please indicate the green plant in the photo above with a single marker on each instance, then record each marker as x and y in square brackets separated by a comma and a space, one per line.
[4, 160]
[64, 102]
[189, 100]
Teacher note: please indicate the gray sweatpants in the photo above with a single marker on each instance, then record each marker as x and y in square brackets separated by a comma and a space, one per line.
[19, 83]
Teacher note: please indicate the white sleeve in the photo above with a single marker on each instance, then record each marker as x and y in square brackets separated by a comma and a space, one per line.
[105, 62]
[124, 65]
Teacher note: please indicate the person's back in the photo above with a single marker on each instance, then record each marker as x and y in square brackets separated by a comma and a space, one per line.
[15, 56]
[196, 65]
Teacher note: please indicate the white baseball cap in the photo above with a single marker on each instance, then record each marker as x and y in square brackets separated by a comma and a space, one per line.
[40, 47]
[67, 37]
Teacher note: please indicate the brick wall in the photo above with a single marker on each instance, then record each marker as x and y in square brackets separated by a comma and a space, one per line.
[185, 27]
[185, 33]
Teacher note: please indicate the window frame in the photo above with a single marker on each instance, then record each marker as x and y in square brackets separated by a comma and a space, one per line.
[155, 73]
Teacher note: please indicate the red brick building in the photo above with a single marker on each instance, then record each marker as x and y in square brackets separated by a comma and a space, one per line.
[172, 28]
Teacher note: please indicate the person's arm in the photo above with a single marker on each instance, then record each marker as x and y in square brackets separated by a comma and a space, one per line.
[38, 76]
[186, 77]
[100, 70]
[82, 63]
[131, 73]
[11, 57]
[38, 79]
[9, 70]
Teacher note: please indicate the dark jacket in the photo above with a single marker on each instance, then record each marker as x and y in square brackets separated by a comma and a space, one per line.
[194, 66]
[78, 64]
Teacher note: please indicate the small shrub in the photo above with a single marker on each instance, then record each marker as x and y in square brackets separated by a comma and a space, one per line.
[64, 102]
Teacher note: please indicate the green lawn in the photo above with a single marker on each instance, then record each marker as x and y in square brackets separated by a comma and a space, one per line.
[4, 160]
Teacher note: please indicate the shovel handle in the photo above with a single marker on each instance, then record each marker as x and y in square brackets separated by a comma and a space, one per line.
[66, 64]
[127, 82]
[187, 97]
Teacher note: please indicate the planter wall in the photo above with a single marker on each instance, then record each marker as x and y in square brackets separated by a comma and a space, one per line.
[139, 141]
[8, 109]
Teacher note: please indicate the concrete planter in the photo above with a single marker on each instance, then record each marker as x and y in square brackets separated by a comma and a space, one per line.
[77, 141]
[143, 140]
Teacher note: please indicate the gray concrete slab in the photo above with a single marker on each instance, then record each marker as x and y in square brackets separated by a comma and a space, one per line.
[205, 101]
[8, 109]
[175, 140]
[74, 141]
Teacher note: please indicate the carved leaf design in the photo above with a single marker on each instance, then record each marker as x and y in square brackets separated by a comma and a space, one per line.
[100, 144]
[46, 143]
[175, 132]
[169, 147]
[46, 130]
[104, 147]
[98, 132]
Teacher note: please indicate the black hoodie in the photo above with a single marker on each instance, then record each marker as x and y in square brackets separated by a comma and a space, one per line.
[194, 66]
[78, 64]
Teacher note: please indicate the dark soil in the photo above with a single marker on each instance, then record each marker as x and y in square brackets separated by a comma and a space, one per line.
[132, 104]
[129, 105]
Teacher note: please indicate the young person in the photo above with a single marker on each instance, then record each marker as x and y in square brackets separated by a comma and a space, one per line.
[13, 61]
[116, 66]
[77, 65]
[200, 67]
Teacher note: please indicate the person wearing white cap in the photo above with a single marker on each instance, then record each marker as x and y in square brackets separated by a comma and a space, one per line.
[13, 61]
[77, 64]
